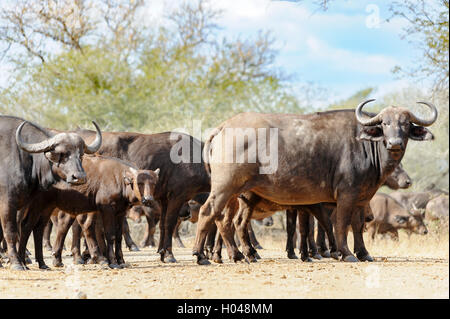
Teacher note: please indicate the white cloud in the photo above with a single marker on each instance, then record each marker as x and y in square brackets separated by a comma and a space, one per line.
[347, 60]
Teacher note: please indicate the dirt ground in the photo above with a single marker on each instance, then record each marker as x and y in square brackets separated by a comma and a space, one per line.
[414, 268]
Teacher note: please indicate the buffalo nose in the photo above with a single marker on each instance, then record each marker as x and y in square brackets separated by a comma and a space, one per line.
[394, 144]
[425, 232]
[408, 182]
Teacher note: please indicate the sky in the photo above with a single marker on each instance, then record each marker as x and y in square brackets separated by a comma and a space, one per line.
[346, 48]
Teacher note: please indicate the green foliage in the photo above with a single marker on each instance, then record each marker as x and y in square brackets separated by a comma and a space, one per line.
[352, 101]
[428, 24]
[150, 80]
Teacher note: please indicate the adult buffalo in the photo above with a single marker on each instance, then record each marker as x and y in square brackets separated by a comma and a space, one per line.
[340, 157]
[178, 181]
[32, 159]
[398, 179]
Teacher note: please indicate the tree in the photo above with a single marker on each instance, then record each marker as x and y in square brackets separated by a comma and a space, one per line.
[428, 30]
[96, 63]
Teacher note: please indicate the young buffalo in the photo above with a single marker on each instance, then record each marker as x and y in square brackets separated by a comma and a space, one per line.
[390, 216]
[112, 186]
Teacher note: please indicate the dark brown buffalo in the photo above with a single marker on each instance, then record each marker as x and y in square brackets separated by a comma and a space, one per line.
[178, 183]
[340, 157]
[32, 159]
[112, 186]
[398, 179]
[390, 216]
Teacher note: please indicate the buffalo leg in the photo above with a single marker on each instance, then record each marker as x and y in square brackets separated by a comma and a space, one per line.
[313, 252]
[176, 234]
[88, 225]
[127, 236]
[109, 221]
[291, 221]
[225, 226]
[217, 251]
[8, 211]
[47, 233]
[252, 235]
[303, 222]
[210, 239]
[320, 241]
[65, 221]
[118, 240]
[344, 211]
[209, 212]
[149, 240]
[241, 221]
[76, 241]
[358, 229]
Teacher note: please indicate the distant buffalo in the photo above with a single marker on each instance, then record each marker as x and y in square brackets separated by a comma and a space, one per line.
[390, 216]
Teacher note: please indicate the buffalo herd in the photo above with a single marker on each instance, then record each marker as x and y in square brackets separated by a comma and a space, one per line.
[325, 167]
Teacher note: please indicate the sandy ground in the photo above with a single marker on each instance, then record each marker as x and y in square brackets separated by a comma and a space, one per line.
[400, 273]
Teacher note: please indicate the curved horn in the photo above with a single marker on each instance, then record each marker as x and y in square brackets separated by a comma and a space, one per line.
[422, 122]
[95, 146]
[40, 147]
[363, 118]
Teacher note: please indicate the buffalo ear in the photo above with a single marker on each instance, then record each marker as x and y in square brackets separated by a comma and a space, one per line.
[157, 172]
[401, 219]
[371, 133]
[420, 133]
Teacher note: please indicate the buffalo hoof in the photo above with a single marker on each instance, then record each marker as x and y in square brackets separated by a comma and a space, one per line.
[169, 259]
[238, 257]
[335, 255]
[350, 259]
[44, 267]
[18, 266]
[258, 246]
[101, 262]
[79, 261]
[366, 258]
[292, 256]
[48, 247]
[1, 266]
[28, 260]
[203, 261]
[325, 253]
[134, 248]
[58, 264]
[257, 256]
[306, 259]
[251, 259]
[114, 266]
[317, 256]
[217, 260]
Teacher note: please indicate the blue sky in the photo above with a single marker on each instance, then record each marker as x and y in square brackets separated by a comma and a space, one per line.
[344, 49]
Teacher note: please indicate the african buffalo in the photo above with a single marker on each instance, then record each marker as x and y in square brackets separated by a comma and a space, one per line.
[32, 159]
[340, 157]
[437, 208]
[178, 183]
[112, 186]
[399, 178]
[390, 216]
